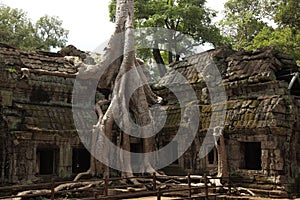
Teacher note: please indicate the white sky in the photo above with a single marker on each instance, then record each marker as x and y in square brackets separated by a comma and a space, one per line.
[87, 21]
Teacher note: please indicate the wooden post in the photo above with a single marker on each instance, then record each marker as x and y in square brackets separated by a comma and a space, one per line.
[52, 189]
[158, 194]
[105, 185]
[229, 184]
[206, 186]
[154, 181]
[189, 185]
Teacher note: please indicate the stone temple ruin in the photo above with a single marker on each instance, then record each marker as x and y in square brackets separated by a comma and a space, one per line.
[262, 113]
[261, 128]
[38, 136]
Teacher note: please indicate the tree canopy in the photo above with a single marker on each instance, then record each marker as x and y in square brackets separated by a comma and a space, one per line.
[260, 23]
[287, 13]
[184, 17]
[17, 30]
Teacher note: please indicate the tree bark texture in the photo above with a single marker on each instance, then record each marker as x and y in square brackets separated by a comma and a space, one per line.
[120, 84]
[159, 61]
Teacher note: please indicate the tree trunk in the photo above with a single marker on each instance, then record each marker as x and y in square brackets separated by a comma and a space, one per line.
[170, 45]
[159, 61]
[93, 170]
[120, 84]
[170, 56]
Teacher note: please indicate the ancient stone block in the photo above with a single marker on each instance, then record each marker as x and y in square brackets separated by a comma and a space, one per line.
[6, 98]
[269, 144]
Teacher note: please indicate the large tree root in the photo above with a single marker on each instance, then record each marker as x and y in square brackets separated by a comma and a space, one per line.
[67, 186]
[78, 176]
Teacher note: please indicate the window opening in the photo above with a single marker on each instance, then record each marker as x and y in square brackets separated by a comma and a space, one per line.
[46, 161]
[252, 155]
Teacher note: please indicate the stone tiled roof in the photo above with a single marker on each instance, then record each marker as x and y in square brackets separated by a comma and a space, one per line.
[40, 102]
[265, 111]
[17, 59]
[256, 84]
[258, 66]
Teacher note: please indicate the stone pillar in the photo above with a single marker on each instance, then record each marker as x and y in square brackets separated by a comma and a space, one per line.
[65, 160]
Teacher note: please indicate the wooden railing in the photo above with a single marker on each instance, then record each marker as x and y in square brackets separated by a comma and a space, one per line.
[149, 187]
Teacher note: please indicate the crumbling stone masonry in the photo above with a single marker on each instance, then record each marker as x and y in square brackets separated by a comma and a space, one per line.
[262, 118]
[38, 137]
[39, 140]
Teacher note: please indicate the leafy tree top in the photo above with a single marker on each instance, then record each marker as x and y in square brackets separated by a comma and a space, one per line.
[259, 23]
[177, 27]
[16, 29]
[190, 17]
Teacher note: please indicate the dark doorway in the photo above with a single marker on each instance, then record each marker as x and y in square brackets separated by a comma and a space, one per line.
[4, 161]
[252, 155]
[212, 156]
[46, 161]
[80, 160]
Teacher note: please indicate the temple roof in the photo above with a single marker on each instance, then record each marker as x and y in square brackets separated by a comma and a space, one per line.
[251, 66]
[42, 101]
[256, 85]
[16, 59]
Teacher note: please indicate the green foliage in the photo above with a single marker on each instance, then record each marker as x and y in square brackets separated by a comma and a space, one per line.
[287, 13]
[17, 30]
[185, 17]
[50, 33]
[247, 24]
[281, 38]
[242, 21]
[11, 70]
